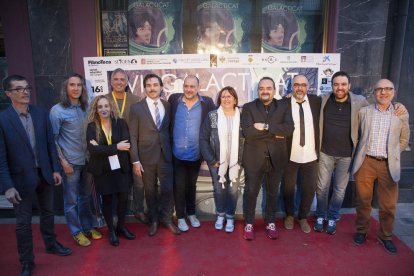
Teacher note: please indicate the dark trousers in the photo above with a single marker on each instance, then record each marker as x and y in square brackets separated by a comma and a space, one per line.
[23, 211]
[137, 191]
[185, 186]
[107, 210]
[164, 172]
[309, 176]
[253, 183]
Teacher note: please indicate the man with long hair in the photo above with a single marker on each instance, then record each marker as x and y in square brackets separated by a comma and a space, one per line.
[68, 123]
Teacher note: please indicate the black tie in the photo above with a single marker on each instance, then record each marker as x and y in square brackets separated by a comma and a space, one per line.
[302, 124]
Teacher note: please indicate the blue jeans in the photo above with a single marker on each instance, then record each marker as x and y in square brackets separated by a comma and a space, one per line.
[224, 199]
[77, 193]
[329, 209]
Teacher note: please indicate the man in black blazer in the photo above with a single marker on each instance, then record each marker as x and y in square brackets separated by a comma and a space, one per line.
[303, 150]
[29, 168]
[149, 123]
[189, 109]
[265, 123]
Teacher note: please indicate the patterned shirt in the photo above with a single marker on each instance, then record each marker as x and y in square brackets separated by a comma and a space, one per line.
[381, 121]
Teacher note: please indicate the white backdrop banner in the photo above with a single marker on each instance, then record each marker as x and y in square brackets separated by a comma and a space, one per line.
[241, 71]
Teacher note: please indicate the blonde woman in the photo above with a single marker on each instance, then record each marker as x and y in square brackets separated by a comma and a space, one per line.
[107, 139]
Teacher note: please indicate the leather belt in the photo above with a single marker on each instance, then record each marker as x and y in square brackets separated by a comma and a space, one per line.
[377, 158]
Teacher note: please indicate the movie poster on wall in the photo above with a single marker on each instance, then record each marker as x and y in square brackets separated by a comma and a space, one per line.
[223, 26]
[154, 27]
[114, 33]
[292, 26]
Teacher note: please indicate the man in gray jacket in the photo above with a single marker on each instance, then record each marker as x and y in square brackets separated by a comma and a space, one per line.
[383, 136]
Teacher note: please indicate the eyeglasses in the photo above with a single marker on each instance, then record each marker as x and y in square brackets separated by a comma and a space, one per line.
[21, 89]
[386, 89]
[302, 85]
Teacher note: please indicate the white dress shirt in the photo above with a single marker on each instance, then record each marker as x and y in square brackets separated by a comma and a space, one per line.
[306, 153]
[151, 106]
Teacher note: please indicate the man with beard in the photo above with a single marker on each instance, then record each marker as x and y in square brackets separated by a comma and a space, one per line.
[303, 148]
[265, 123]
[338, 126]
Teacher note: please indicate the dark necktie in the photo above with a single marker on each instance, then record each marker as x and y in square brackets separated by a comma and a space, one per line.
[157, 116]
[302, 124]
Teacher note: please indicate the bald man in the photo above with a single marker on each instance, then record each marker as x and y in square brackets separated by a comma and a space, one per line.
[383, 136]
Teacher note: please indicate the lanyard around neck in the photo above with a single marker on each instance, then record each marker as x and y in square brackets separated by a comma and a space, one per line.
[108, 136]
[121, 112]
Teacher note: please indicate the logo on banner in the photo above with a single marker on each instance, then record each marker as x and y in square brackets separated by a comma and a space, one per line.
[270, 59]
[326, 59]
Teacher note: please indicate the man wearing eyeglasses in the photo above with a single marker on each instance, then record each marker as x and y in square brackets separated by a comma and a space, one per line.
[303, 150]
[383, 136]
[29, 168]
[338, 126]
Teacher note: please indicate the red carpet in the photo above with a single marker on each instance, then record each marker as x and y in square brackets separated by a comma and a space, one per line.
[206, 251]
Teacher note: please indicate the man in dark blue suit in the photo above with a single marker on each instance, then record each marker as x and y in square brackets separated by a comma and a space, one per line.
[28, 168]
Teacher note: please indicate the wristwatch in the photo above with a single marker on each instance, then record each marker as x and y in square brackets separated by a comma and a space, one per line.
[266, 127]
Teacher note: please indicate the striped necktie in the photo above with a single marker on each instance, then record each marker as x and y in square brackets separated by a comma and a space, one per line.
[157, 116]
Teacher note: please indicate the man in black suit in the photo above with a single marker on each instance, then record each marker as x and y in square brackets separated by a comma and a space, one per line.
[266, 123]
[149, 123]
[303, 149]
[29, 168]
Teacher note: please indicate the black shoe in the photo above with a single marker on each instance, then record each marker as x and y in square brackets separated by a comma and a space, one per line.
[388, 246]
[123, 231]
[59, 249]
[360, 238]
[152, 229]
[27, 269]
[174, 229]
[113, 238]
[141, 217]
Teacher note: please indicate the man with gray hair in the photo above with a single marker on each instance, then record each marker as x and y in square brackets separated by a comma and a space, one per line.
[383, 136]
[123, 101]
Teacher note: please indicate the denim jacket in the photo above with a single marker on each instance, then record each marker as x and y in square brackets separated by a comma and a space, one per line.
[209, 140]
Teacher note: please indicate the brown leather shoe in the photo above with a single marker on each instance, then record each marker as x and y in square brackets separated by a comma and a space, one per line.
[141, 217]
[174, 229]
[152, 229]
[304, 225]
[289, 221]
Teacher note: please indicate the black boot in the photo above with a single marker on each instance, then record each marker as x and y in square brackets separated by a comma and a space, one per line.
[121, 210]
[113, 238]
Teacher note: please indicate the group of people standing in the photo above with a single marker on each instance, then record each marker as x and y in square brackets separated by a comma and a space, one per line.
[124, 143]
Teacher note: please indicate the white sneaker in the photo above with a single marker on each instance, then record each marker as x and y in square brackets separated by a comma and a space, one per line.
[219, 223]
[194, 221]
[182, 225]
[230, 225]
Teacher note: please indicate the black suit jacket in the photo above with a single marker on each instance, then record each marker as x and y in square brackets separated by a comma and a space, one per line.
[99, 162]
[259, 144]
[147, 142]
[315, 105]
[17, 160]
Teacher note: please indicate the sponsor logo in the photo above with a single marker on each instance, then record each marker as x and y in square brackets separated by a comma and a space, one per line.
[93, 62]
[126, 61]
[326, 59]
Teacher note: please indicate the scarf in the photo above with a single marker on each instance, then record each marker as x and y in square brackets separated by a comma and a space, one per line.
[232, 164]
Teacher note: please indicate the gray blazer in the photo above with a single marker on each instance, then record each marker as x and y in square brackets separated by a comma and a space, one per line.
[398, 138]
[357, 102]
